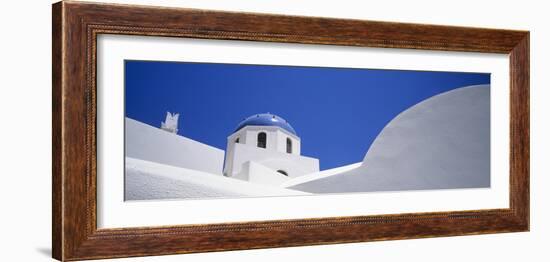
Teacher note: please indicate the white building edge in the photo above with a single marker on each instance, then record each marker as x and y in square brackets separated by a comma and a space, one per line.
[160, 164]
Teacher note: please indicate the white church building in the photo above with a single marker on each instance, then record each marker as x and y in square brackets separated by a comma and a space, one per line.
[265, 149]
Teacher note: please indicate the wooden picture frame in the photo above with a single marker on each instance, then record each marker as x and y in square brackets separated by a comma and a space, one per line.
[76, 26]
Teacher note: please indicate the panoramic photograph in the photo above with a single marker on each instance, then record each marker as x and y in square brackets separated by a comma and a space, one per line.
[213, 130]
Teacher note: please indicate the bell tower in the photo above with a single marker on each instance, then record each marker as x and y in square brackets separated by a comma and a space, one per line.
[265, 141]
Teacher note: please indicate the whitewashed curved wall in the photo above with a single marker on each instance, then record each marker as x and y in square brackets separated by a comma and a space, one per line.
[440, 143]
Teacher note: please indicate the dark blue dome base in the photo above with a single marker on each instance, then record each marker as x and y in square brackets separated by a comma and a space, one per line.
[266, 120]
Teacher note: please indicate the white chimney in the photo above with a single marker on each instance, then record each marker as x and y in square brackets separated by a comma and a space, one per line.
[171, 123]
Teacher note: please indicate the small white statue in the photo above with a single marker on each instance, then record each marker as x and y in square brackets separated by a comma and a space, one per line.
[171, 123]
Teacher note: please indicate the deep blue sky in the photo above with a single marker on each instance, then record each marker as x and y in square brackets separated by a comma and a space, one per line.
[337, 112]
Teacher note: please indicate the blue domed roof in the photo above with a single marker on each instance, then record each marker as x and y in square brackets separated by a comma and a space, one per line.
[266, 120]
